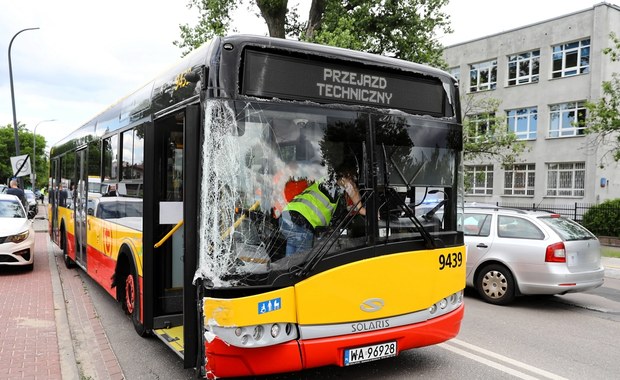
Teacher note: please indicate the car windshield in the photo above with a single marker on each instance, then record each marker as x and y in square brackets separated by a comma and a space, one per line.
[11, 209]
[567, 229]
[30, 195]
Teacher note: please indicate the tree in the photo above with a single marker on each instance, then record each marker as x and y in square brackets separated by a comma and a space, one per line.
[7, 150]
[603, 116]
[404, 29]
[485, 135]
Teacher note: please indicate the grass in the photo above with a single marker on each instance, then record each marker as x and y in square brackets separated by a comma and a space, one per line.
[610, 251]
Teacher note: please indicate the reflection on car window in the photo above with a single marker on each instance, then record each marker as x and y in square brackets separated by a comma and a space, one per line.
[517, 228]
[11, 209]
[567, 229]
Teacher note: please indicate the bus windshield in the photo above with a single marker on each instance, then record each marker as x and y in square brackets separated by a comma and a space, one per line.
[285, 187]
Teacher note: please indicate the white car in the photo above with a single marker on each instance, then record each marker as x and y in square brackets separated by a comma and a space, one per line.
[514, 252]
[16, 233]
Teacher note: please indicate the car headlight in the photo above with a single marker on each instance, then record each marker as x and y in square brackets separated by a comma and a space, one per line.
[18, 238]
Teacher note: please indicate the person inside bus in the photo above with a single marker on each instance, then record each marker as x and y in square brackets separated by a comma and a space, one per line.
[314, 208]
[111, 191]
[62, 196]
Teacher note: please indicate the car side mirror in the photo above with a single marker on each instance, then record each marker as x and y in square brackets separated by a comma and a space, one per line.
[31, 214]
[90, 211]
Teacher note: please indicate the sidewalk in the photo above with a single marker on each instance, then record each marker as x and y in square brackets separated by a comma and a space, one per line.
[49, 327]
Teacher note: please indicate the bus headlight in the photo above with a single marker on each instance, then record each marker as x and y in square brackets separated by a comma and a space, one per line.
[446, 305]
[254, 336]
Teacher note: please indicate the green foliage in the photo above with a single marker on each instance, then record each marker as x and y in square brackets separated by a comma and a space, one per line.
[604, 219]
[404, 29]
[603, 116]
[7, 150]
[214, 20]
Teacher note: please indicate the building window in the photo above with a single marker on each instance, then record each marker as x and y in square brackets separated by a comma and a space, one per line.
[479, 179]
[566, 179]
[571, 59]
[483, 76]
[523, 122]
[479, 125]
[523, 68]
[519, 180]
[456, 72]
[567, 119]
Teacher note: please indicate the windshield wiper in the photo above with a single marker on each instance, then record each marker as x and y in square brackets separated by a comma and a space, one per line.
[391, 194]
[318, 254]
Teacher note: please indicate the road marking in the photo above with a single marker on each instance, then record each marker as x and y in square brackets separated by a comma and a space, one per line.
[499, 358]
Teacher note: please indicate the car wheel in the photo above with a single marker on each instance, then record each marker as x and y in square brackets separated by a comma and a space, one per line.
[496, 285]
[131, 303]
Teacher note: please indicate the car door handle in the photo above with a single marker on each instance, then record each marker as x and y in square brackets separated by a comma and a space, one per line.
[482, 245]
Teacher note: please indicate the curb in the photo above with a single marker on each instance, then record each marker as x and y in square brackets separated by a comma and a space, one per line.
[68, 364]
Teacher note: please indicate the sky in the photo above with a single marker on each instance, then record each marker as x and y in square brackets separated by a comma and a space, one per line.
[87, 55]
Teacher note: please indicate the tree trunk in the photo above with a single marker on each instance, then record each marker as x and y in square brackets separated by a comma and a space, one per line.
[274, 13]
[314, 17]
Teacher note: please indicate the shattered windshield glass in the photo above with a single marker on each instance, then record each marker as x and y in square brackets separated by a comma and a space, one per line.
[284, 186]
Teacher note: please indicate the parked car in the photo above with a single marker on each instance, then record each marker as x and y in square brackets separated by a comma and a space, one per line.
[32, 202]
[16, 233]
[515, 252]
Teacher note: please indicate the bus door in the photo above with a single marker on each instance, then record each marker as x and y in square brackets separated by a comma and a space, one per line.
[80, 201]
[173, 293]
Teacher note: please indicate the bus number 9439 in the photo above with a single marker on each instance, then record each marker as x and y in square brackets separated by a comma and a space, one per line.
[450, 260]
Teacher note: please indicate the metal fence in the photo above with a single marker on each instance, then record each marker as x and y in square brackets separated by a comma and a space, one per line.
[573, 211]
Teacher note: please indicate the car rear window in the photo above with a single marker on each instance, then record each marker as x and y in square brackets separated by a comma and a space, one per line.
[567, 229]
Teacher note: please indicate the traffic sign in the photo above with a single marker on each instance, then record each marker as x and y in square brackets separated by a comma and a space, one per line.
[21, 165]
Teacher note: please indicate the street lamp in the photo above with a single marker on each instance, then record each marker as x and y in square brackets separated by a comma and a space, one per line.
[13, 92]
[33, 174]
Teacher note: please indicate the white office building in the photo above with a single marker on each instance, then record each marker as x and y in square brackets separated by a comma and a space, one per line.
[542, 74]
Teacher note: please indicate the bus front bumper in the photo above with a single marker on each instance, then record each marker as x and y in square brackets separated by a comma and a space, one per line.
[223, 360]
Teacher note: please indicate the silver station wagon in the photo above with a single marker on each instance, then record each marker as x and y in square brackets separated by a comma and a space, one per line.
[514, 252]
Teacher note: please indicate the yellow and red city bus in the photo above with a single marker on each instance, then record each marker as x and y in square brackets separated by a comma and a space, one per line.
[209, 264]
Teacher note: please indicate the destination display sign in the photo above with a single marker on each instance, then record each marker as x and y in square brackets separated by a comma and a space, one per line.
[270, 75]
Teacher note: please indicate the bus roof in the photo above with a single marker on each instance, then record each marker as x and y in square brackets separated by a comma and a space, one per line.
[182, 83]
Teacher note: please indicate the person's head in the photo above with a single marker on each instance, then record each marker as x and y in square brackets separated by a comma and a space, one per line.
[13, 183]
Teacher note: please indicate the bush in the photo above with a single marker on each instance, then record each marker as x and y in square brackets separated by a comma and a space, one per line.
[604, 219]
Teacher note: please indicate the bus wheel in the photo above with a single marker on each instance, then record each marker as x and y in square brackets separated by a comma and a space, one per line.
[496, 285]
[131, 303]
[69, 263]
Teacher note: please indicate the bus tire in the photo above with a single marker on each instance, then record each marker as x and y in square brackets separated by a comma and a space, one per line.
[69, 263]
[496, 285]
[131, 302]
